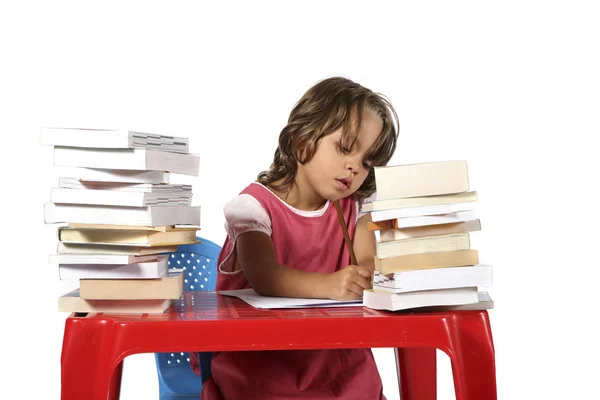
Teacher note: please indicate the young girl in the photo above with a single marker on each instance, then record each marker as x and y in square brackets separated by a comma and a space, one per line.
[284, 239]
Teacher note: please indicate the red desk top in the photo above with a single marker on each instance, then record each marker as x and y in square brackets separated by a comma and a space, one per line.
[212, 306]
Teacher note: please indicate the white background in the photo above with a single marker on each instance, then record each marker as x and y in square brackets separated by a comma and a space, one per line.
[512, 87]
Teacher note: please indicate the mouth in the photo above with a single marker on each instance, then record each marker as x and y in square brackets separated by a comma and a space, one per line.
[344, 183]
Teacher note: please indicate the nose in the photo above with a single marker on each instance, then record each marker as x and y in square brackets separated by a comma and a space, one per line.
[353, 163]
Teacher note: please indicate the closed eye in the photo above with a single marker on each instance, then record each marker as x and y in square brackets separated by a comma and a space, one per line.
[343, 149]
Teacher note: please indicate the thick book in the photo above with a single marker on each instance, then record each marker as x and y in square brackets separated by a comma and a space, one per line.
[112, 139]
[119, 198]
[130, 159]
[116, 175]
[412, 202]
[169, 287]
[73, 183]
[408, 212]
[86, 258]
[389, 235]
[442, 259]
[484, 302]
[419, 180]
[428, 244]
[424, 298]
[142, 270]
[72, 302]
[423, 221]
[128, 237]
[89, 248]
[97, 214]
[437, 278]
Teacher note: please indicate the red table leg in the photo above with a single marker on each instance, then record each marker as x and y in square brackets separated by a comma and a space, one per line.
[115, 384]
[87, 360]
[417, 373]
[473, 359]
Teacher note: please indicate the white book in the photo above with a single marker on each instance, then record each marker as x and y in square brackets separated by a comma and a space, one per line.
[144, 270]
[114, 259]
[425, 298]
[73, 183]
[441, 219]
[115, 215]
[119, 198]
[112, 139]
[130, 159]
[115, 175]
[485, 302]
[479, 275]
[389, 235]
[420, 211]
[420, 180]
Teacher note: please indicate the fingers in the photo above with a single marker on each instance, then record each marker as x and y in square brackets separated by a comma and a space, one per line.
[355, 290]
[358, 282]
[352, 281]
[363, 276]
[363, 282]
[362, 271]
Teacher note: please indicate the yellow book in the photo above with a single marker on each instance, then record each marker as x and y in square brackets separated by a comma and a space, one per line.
[70, 248]
[170, 287]
[389, 235]
[427, 244]
[381, 205]
[442, 259]
[72, 302]
[128, 237]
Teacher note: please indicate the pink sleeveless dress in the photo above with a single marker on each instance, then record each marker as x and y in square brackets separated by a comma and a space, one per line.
[311, 241]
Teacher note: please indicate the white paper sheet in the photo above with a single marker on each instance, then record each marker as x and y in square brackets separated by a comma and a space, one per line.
[258, 301]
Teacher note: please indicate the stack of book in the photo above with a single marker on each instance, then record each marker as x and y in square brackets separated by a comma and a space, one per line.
[422, 218]
[123, 217]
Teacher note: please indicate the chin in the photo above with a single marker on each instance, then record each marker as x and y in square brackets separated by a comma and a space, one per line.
[340, 195]
[335, 194]
[329, 195]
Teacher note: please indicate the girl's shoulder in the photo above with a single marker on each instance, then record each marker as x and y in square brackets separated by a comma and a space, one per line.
[258, 205]
[244, 213]
[274, 204]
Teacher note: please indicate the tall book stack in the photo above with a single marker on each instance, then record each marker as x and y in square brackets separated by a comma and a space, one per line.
[122, 217]
[422, 219]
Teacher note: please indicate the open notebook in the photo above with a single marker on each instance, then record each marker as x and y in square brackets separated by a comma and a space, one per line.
[258, 301]
[266, 302]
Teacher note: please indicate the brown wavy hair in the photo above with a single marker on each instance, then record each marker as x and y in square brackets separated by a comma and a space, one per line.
[327, 106]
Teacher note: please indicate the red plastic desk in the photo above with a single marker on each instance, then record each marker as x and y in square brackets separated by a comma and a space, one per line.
[94, 346]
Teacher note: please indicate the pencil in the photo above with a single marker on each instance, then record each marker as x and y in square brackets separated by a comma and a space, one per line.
[345, 231]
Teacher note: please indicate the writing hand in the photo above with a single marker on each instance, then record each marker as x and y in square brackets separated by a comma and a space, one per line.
[348, 283]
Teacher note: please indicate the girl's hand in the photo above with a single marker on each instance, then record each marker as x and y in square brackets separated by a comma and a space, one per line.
[348, 283]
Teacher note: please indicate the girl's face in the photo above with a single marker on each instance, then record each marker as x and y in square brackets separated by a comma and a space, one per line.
[335, 171]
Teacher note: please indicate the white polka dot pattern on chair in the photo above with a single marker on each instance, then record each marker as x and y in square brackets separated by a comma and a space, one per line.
[178, 358]
[199, 276]
[197, 270]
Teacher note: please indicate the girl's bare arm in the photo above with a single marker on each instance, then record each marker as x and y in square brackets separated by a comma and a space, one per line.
[256, 257]
[364, 243]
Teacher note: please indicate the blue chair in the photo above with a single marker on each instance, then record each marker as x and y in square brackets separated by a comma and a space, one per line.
[175, 376]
